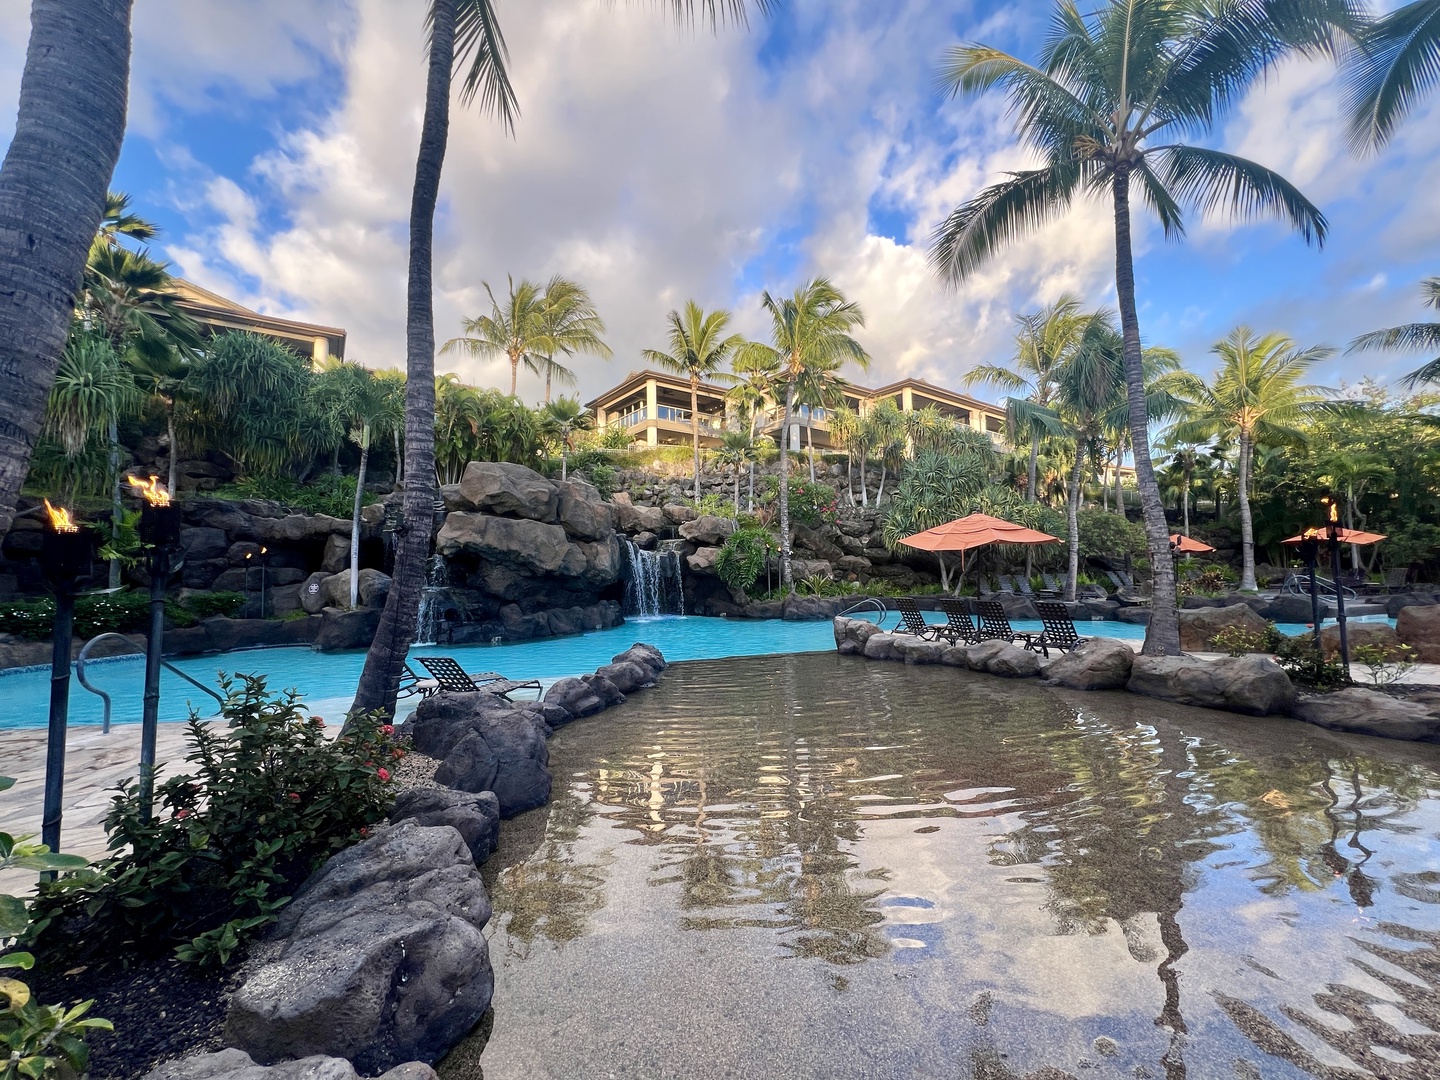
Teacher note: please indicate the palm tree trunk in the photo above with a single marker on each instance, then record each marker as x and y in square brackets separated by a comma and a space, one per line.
[355, 517]
[174, 447]
[810, 440]
[116, 510]
[548, 373]
[1247, 528]
[750, 496]
[737, 489]
[383, 663]
[1162, 637]
[1119, 491]
[1031, 495]
[880, 494]
[1072, 523]
[864, 481]
[695, 428]
[68, 130]
[1185, 504]
[514, 360]
[787, 580]
[399, 463]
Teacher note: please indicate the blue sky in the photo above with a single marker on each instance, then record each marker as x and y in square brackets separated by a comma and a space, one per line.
[274, 141]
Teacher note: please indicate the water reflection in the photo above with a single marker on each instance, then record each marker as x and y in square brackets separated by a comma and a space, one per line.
[807, 866]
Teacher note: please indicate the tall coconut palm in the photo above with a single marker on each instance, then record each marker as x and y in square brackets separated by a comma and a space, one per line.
[514, 330]
[699, 350]
[1396, 65]
[1047, 338]
[571, 325]
[561, 419]
[1411, 337]
[1110, 85]
[1257, 396]
[464, 35]
[750, 397]
[736, 450]
[53, 183]
[808, 330]
[1184, 463]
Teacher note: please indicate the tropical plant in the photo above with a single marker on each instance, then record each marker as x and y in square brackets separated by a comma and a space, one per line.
[1411, 337]
[252, 397]
[92, 390]
[1110, 84]
[480, 425]
[1178, 479]
[742, 557]
[72, 109]
[464, 35]
[1396, 65]
[561, 419]
[937, 488]
[885, 437]
[571, 325]
[699, 349]
[808, 330]
[1257, 397]
[737, 450]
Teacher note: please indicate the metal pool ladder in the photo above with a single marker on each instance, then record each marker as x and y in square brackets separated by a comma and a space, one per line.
[104, 697]
[867, 604]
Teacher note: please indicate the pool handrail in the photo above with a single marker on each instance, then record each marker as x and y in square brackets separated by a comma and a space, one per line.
[868, 602]
[105, 698]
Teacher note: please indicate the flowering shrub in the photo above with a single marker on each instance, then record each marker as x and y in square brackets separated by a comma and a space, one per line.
[265, 803]
[1238, 641]
[812, 503]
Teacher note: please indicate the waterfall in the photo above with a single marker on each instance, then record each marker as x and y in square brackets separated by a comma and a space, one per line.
[432, 606]
[652, 584]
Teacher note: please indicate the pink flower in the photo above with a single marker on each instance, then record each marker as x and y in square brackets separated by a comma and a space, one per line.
[294, 796]
[384, 774]
[387, 729]
[182, 814]
[364, 832]
[397, 753]
[318, 721]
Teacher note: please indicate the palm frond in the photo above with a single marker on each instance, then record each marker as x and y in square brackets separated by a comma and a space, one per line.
[999, 215]
[1212, 180]
[1412, 337]
[1398, 62]
[481, 52]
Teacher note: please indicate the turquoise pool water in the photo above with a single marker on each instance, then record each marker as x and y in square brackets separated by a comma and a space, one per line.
[327, 680]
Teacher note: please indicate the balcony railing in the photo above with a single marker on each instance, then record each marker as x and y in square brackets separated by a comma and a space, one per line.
[668, 413]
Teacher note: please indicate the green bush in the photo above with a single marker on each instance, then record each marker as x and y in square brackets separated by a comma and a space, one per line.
[1238, 641]
[269, 799]
[812, 503]
[122, 612]
[1212, 581]
[742, 557]
[1386, 664]
[206, 605]
[1306, 664]
[1110, 536]
[324, 494]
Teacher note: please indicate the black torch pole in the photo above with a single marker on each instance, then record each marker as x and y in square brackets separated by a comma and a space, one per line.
[59, 717]
[1312, 552]
[1339, 600]
[154, 644]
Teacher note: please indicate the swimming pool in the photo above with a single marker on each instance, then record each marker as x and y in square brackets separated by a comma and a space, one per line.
[327, 680]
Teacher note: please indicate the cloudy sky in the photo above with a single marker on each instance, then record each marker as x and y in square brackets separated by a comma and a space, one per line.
[274, 141]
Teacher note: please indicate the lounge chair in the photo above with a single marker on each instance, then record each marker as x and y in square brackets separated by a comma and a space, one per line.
[1006, 584]
[411, 684]
[1053, 585]
[1059, 630]
[912, 621]
[1396, 580]
[452, 677]
[995, 625]
[961, 627]
[1091, 592]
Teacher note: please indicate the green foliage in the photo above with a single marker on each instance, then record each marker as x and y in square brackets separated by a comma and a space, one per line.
[1386, 664]
[1110, 536]
[596, 467]
[269, 798]
[474, 424]
[937, 487]
[711, 505]
[120, 542]
[121, 612]
[812, 504]
[1212, 581]
[253, 398]
[323, 494]
[1238, 641]
[742, 557]
[36, 1041]
[1306, 664]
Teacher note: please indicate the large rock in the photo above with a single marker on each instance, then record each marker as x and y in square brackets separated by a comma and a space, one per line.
[1397, 603]
[1254, 685]
[381, 957]
[575, 697]
[914, 650]
[852, 634]
[1002, 658]
[581, 512]
[341, 629]
[475, 816]
[881, 646]
[647, 656]
[374, 587]
[1358, 634]
[1419, 627]
[293, 528]
[801, 569]
[1138, 615]
[1095, 664]
[1199, 627]
[807, 608]
[639, 519]
[235, 1064]
[202, 544]
[627, 676]
[1290, 609]
[336, 555]
[531, 546]
[707, 530]
[503, 751]
[1368, 712]
[312, 593]
[679, 513]
[703, 561]
[499, 487]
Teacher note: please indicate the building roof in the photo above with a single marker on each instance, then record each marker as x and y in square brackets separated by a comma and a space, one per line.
[635, 380]
[931, 390]
[221, 313]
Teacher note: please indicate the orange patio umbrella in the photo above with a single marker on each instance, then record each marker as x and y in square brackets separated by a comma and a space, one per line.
[974, 531]
[1183, 544]
[1347, 536]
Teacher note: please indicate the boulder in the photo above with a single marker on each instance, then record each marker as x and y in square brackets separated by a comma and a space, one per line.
[225, 634]
[627, 676]
[1199, 627]
[604, 689]
[293, 528]
[882, 646]
[235, 1064]
[647, 656]
[475, 816]
[852, 564]
[703, 561]
[203, 544]
[853, 630]
[502, 751]
[818, 544]
[1017, 607]
[1002, 658]
[374, 587]
[1095, 664]
[528, 545]
[1138, 615]
[707, 530]
[801, 569]
[679, 513]
[575, 697]
[807, 608]
[914, 650]
[581, 512]
[639, 519]
[500, 487]
[1289, 609]
[1368, 712]
[470, 765]
[1254, 684]
[1419, 627]
[341, 629]
[1358, 634]
[442, 720]
[336, 554]
[1099, 609]
[312, 593]
[380, 958]
[1397, 603]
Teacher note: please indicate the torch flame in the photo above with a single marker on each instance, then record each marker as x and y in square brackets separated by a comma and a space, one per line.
[60, 519]
[151, 490]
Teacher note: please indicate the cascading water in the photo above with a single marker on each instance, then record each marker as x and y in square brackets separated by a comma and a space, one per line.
[437, 579]
[652, 584]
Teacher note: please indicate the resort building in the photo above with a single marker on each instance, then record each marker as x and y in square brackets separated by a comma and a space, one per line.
[217, 315]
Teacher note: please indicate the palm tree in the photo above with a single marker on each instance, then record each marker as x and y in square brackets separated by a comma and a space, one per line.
[885, 435]
[1412, 337]
[571, 325]
[562, 418]
[845, 425]
[91, 389]
[1047, 338]
[737, 449]
[1397, 63]
[1184, 463]
[73, 94]
[699, 349]
[1109, 84]
[513, 331]
[464, 34]
[808, 330]
[1256, 397]
[750, 396]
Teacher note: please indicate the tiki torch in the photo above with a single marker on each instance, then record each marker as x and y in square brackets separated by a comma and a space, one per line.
[159, 533]
[65, 550]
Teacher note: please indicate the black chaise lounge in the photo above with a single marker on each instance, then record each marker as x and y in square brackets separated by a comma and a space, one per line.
[961, 627]
[452, 677]
[995, 625]
[1059, 630]
[913, 622]
[411, 684]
